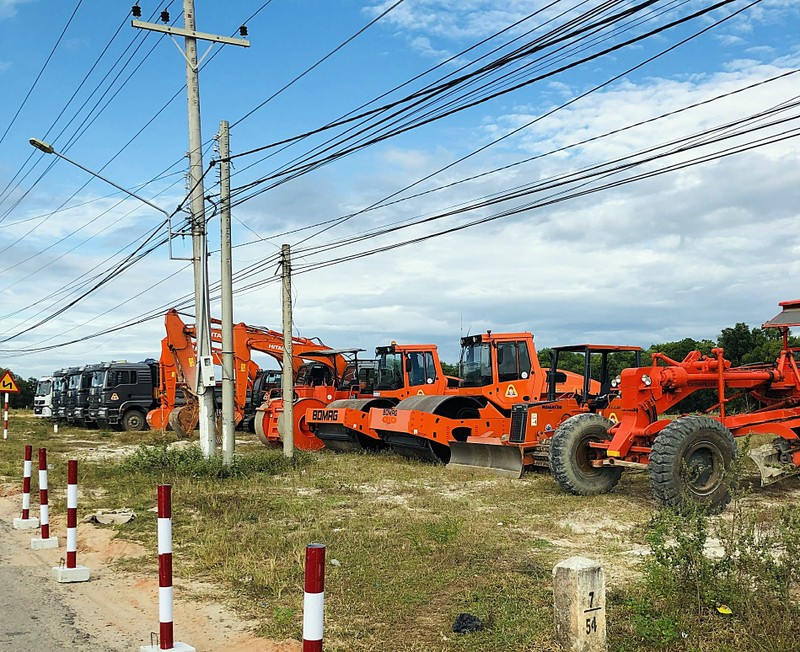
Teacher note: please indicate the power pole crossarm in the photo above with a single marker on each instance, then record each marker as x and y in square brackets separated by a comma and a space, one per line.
[200, 36]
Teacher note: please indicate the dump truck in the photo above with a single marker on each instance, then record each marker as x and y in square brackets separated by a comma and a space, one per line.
[525, 439]
[498, 370]
[43, 398]
[77, 403]
[122, 393]
[689, 458]
[401, 370]
[61, 395]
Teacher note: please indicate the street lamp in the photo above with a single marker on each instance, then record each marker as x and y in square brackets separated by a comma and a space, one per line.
[203, 331]
[47, 148]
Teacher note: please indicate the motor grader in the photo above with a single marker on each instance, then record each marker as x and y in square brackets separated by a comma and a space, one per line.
[525, 439]
[689, 458]
[401, 370]
[498, 370]
[178, 369]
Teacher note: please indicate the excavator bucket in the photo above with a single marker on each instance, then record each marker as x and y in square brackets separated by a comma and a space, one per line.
[507, 461]
[184, 419]
[770, 466]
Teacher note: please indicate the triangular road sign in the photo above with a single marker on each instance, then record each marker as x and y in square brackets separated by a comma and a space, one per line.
[7, 384]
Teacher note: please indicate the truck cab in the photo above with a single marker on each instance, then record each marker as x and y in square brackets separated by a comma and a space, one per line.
[43, 399]
[79, 396]
[122, 393]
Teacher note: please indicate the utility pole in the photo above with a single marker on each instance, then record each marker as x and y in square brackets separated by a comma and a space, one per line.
[206, 382]
[226, 282]
[286, 426]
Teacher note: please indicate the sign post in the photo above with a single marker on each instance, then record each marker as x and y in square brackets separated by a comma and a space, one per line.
[7, 386]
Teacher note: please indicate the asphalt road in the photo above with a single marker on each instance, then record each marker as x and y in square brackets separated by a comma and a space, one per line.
[33, 617]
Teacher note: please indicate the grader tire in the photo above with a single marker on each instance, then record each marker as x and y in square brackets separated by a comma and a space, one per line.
[691, 462]
[571, 456]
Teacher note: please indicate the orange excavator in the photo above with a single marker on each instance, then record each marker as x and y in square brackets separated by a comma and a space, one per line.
[498, 371]
[178, 368]
[401, 370]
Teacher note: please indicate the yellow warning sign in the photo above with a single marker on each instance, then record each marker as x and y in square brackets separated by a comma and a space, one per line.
[7, 384]
[613, 417]
[420, 393]
[511, 392]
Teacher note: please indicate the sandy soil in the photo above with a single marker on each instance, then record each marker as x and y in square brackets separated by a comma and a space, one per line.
[115, 610]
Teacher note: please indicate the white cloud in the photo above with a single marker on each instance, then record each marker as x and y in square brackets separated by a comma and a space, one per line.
[8, 8]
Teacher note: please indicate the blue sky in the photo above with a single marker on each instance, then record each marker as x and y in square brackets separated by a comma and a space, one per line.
[678, 255]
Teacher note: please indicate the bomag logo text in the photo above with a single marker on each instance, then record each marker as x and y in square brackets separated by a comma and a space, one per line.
[325, 415]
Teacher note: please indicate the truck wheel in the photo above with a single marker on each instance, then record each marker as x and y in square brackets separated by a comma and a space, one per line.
[571, 456]
[133, 421]
[691, 461]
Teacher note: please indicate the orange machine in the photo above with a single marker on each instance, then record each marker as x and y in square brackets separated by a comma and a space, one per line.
[401, 370]
[178, 367]
[343, 376]
[498, 370]
[688, 458]
[526, 440]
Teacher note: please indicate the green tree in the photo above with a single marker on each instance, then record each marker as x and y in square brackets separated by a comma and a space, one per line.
[450, 369]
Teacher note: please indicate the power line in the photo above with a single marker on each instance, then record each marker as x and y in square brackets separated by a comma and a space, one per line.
[41, 72]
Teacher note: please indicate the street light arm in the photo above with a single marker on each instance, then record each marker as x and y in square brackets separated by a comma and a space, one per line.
[48, 149]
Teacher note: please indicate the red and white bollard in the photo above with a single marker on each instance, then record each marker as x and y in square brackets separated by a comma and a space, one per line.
[314, 598]
[165, 628]
[5, 417]
[44, 540]
[72, 572]
[26, 522]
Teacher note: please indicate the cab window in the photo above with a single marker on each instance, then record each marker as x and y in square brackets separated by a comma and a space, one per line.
[513, 361]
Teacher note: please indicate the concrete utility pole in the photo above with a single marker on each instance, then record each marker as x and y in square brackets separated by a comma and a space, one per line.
[206, 380]
[286, 426]
[228, 371]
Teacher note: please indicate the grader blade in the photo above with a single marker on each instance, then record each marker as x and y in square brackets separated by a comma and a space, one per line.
[770, 466]
[507, 461]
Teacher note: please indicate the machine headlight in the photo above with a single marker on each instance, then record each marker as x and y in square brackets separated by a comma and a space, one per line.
[647, 380]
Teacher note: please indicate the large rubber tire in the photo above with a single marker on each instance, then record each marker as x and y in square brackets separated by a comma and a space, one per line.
[571, 456]
[691, 461]
[134, 421]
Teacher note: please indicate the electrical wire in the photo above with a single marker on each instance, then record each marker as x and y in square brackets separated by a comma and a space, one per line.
[41, 71]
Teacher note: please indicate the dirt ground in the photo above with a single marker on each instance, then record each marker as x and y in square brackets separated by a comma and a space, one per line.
[114, 611]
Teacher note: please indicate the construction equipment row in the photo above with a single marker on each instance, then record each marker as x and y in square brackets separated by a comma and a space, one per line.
[504, 411]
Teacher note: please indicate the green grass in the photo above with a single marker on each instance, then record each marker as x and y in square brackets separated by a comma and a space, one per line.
[416, 544]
